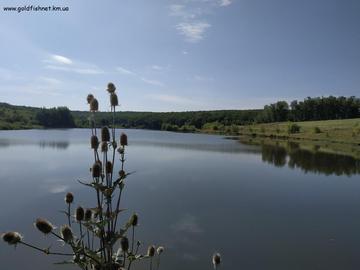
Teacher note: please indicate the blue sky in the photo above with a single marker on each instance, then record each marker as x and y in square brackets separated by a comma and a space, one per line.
[179, 55]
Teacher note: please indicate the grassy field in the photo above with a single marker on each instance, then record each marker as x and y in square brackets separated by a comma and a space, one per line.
[339, 131]
[334, 136]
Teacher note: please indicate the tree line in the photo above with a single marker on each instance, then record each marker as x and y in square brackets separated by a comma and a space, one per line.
[318, 108]
[311, 109]
[60, 117]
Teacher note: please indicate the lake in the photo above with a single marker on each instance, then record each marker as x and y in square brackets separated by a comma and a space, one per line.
[261, 207]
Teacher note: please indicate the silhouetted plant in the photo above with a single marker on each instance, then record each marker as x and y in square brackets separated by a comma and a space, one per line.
[94, 247]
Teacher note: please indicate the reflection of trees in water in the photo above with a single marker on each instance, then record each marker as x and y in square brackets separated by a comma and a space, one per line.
[274, 155]
[54, 144]
[309, 161]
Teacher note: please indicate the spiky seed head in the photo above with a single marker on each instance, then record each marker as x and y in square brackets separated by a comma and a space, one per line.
[69, 197]
[160, 250]
[123, 139]
[12, 238]
[111, 87]
[104, 147]
[89, 98]
[114, 100]
[94, 142]
[122, 174]
[88, 214]
[79, 214]
[43, 225]
[114, 144]
[134, 220]
[121, 150]
[105, 134]
[66, 233]
[151, 251]
[124, 243]
[108, 167]
[94, 105]
[216, 259]
[96, 169]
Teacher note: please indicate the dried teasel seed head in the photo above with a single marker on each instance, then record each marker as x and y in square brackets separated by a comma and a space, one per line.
[151, 251]
[88, 215]
[79, 214]
[109, 167]
[69, 197]
[121, 150]
[122, 173]
[160, 250]
[105, 134]
[104, 147]
[94, 142]
[108, 192]
[66, 233]
[44, 226]
[114, 100]
[134, 220]
[94, 105]
[123, 139]
[12, 238]
[111, 87]
[89, 98]
[216, 259]
[124, 242]
[96, 169]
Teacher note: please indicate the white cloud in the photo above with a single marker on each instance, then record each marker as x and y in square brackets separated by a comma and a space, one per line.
[225, 3]
[192, 24]
[62, 63]
[152, 82]
[125, 71]
[156, 67]
[61, 59]
[203, 78]
[193, 31]
[79, 70]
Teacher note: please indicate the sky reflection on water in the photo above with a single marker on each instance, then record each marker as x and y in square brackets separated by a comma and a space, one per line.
[195, 194]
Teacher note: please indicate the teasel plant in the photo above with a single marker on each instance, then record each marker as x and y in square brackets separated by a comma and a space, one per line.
[96, 239]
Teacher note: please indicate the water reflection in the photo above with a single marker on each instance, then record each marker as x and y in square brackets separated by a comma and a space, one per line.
[62, 145]
[54, 144]
[307, 160]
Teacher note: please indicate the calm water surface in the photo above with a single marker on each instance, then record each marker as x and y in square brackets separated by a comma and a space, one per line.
[260, 207]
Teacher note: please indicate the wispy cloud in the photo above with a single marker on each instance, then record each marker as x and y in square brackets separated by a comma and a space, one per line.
[61, 59]
[192, 23]
[152, 82]
[125, 71]
[193, 31]
[128, 72]
[158, 68]
[225, 3]
[62, 63]
[84, 71]
[203, 78]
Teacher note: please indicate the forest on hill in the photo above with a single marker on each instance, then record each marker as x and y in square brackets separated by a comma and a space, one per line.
[309, 109]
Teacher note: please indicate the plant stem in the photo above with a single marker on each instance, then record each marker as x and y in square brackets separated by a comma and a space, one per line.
[69, 214]
[45, 251]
